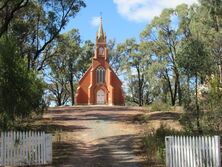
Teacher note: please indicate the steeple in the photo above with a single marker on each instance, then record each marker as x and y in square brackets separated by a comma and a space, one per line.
[101, 50]
[100, 33]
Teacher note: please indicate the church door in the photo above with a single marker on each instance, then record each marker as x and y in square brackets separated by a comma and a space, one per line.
[100, 97]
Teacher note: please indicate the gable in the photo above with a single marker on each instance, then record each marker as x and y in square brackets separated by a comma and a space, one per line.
[84, 76]
[115, 74]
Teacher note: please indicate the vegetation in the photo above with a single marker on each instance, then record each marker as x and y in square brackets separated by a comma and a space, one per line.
[177, 61]
[21, 91]
[154, 144]
[24, 59]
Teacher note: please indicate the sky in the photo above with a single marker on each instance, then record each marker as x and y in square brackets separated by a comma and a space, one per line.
[122, 19]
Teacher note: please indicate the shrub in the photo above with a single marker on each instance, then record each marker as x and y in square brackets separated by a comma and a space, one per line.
[158, 106]
[21, 91]
[154, 144]
[210, 114]
[141, 118]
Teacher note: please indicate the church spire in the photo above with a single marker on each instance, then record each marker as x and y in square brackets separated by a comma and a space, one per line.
[100, 33]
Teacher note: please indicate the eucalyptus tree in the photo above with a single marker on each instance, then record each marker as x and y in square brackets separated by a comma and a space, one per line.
[84, 60]
[8, 10]
[163, 39]
[197, 62]
[69, 62]
[214, 8]
[38, 24]
[63, 63]
[115, 57]
[135, 60]
[214, 19]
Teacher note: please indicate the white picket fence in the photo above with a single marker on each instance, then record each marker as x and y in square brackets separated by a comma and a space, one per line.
[25, 148]
[192, 151]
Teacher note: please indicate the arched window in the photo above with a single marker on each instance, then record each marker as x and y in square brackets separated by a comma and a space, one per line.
[100, 75]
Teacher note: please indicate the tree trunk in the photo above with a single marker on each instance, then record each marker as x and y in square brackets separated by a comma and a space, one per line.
[72, 90]
[170, 88]
[140, 87]
[176, 86]
[59, 100]
[197, 107]
[179, 93]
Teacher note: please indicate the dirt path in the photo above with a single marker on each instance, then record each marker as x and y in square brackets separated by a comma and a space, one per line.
[96, 136]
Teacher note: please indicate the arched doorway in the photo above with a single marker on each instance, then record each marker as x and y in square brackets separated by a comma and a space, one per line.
[100, 97]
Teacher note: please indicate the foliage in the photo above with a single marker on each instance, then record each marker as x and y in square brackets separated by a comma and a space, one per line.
[135, 62]
[159, 106]
[141, 118]
[20, 90]
[115, 58]
[163, 40]
[47, 19]
[154, 144]
[210, 112]
[68, 64]
[9, 9]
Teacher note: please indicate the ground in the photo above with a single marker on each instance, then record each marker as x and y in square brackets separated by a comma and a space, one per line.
[100, 136]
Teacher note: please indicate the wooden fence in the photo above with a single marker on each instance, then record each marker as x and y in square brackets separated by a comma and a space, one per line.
[192, 151]
[25, 148]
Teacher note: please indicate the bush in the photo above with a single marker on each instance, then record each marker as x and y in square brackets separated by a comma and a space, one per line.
[154, 144]
[141, 118]
[210, 114]
[158, 106]
[21, 91]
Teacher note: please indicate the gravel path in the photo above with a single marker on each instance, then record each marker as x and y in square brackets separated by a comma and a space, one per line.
[95, 136]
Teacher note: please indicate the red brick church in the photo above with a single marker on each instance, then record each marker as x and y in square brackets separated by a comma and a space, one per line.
[100, 85]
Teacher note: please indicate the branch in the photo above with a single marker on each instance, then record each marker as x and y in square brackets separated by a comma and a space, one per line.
[10, 16]
[38, 52]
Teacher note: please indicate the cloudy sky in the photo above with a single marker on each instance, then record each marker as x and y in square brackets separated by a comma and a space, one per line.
[122, 19]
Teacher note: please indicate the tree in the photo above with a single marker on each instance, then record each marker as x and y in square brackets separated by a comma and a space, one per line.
[47, 19]
[69, 63]
[115, 57]
[20, 90]
[214, 19]
[84, 59]
[8, 9]
[135, 60]
[163, 40]
[215, 10]
[194, 60]
[58, 84]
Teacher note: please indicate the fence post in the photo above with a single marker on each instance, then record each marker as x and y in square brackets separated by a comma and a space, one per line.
[48, 139]
[3, 148]
[1, 160]
[217, 145]
[167, 151]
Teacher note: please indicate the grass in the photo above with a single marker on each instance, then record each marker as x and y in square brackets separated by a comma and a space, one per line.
[141, 118]
[157, 106]
[154, 144]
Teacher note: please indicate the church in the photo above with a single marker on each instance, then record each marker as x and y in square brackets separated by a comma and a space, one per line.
[100, 85]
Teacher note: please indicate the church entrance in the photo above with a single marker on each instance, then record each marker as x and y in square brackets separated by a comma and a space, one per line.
[100, 97]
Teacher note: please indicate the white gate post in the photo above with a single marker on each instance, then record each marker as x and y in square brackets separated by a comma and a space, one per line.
[217, 147]
[167, 150]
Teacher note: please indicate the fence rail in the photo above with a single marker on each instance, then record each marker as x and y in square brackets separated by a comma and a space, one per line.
[25, 148]
[192, 151]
